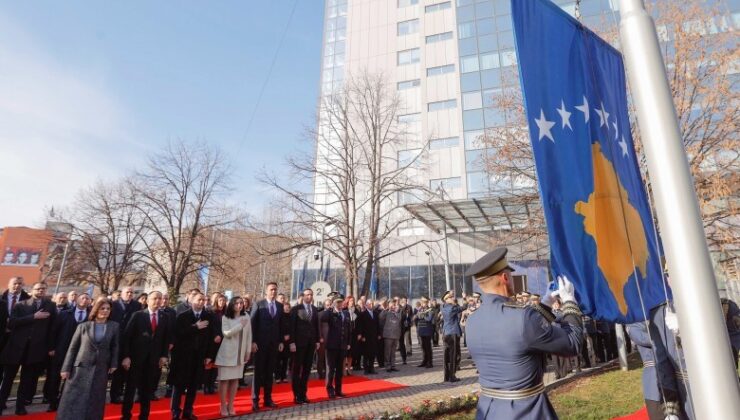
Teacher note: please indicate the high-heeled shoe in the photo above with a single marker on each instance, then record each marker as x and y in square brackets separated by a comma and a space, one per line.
[232, 411]
[224, 410]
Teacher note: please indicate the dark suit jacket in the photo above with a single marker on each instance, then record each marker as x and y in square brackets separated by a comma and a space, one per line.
[63, 331]
[140, 344]
[304, 331]
[369, 327]
[192, 346]
[28, 336]
[265, 328]
[121, 312]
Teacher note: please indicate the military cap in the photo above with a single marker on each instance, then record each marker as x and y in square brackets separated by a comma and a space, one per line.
[424, 298]
[492, 263]
[448, 294]
[476, 295]
[335, 296]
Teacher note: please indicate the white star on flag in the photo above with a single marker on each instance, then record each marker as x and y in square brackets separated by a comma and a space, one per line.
[544, 126]
[623, 145]
[584, 108]
[616, 129]
[564, 115]
[603, 116]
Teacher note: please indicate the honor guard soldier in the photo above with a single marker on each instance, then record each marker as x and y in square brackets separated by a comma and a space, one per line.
[509, 342]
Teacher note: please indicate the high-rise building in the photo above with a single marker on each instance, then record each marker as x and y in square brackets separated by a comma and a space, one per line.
[448, 60]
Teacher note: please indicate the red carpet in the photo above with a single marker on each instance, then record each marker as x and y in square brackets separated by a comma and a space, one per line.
[207, 406]
[640, 414]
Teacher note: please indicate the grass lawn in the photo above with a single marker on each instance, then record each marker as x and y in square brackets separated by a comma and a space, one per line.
[604, 396]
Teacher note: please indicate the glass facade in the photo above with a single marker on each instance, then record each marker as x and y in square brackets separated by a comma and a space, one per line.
[335, 35]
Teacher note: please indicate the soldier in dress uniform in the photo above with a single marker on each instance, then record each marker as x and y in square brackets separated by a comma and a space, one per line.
[336, 333]
[638, 332]
[509, 342]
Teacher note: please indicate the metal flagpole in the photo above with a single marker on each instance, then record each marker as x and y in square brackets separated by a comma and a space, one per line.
[714, 385]
[61, 267]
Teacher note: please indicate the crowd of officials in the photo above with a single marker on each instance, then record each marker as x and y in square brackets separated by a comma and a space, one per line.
[80, 344]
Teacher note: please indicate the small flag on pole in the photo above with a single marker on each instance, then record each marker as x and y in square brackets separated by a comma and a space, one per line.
[599, 222]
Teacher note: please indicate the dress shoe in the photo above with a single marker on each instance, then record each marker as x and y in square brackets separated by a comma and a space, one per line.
[454, 379]
[270, 404]
[190, 417]
[174, 417]
[306, 400]
[421, 365]
[20, 411]
[341, 395]
[429, 366]
[297, 401]
[255, 406]
[394, 370]
[331, 393]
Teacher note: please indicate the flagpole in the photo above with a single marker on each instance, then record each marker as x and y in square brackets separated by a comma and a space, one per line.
[712, 375]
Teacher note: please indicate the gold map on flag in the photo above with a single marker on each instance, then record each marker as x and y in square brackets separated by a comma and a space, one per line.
[616, 227]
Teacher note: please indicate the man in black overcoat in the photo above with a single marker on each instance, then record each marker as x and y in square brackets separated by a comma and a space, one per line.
[190, 354]
[304, 340]
[145, 348]
[29, 345]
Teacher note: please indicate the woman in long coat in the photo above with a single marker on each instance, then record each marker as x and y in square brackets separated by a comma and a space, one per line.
[92, 355]
[234, 352]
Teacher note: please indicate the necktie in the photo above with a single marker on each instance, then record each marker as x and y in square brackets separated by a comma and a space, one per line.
[272, 309]
[308, 309]
[79, 316]
[154, 322]
[13, 302]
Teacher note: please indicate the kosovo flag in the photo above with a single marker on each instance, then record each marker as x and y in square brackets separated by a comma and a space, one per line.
[598, 218]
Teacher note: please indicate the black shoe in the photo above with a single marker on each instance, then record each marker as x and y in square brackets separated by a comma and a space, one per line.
[428, 366]
[270, 404]
[255, 406]
[421, 365]
[154, 398]
[190, 417]
[175, 417]
[306, 400]
[20, 411]
[298, 401]
[116, 401]
[331, 393]
[341, 395]
[394, 370]
[454, 379]
[52, 408]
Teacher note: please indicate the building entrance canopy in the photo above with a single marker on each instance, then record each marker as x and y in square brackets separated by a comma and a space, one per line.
[476, 221]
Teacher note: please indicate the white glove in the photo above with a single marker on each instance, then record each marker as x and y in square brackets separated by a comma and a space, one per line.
[548, 299]
[671, 417]
[566, 291]
[671, 321]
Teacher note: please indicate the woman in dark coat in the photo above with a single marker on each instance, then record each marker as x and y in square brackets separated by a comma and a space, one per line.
[92, 355]
[281, 369]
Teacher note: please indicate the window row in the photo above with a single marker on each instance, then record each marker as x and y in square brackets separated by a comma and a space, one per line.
[409, 56]
[406, 3]
[445, 143]
[445, 183]
[436, 71]
[442, 105]
[408, 27]
[408, 84]
[437, 7]
[466, 10]
[439, 37]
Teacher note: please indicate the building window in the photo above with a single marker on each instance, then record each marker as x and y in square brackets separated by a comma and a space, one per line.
[446, 183]
[442, 105]
[408, 158]
[408, 27]
[474, 139]
[439, 37]
[408, 84]
[445, 143]
[436, 71]
[437, 7]
[406, 3]
[489, 61]
[469, 64]
[472, 100]
[408, 197]
[508, 58]
[466, 30]
[477, 183]
[409, 118]
[409, 56]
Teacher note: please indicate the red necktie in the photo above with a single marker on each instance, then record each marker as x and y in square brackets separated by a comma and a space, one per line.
[154, 322]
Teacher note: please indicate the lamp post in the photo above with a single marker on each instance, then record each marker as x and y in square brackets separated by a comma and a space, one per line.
[320, 255]
[429, 272]
[448, 282]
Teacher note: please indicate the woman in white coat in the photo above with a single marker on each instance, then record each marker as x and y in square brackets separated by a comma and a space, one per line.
[234, 352]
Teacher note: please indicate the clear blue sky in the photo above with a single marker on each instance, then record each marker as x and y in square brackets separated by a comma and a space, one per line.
[88, 88]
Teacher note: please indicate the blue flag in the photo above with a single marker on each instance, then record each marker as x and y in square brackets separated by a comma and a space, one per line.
[203, 272]
[598, 217]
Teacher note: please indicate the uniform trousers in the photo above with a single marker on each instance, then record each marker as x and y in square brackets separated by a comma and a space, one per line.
[389, 347]
[451, 362]
[301, 370]
[335, 364]
[426, 348]
[321, 361]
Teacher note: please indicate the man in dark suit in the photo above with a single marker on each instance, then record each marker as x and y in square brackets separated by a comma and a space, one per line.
[144, 348]
[266, 343]
[64, 328]
[121, 311]
[190, 354]
[185, 305]
[29, 345]
[304, 340]
[335, 331]
[370, 327]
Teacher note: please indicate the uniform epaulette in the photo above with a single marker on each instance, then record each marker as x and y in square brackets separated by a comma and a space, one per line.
[544, 311]
[515, 304]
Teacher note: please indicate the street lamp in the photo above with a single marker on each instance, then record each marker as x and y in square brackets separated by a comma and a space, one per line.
[429, 273]
[319, 255]
[448, 282]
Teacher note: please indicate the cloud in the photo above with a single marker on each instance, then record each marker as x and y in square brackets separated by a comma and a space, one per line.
[60, 129]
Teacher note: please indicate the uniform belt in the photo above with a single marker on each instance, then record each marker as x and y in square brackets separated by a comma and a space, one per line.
[682, 375]
[519, 394]
[648, 364]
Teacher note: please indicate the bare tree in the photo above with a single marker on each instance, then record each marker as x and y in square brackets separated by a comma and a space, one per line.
[180, 199]
[701, 55]
[358, 180]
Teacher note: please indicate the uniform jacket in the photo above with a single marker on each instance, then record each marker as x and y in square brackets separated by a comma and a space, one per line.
[451, 319]
[29, 337]
[142, 344]
[509, 344]
[191, 347]
[335, 329]
[303, 330]
[231, 352]
[639, 334]
[265, 327]
[391, 324]
[88, 363]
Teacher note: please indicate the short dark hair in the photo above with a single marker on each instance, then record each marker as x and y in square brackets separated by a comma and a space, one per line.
[191, 291]
[307, 290]
[230, 308]
[272, 283]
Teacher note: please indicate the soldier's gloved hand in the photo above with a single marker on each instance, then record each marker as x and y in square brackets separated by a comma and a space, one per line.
[671, 321]
[671, 417]
[566, 290]
[548, 299]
